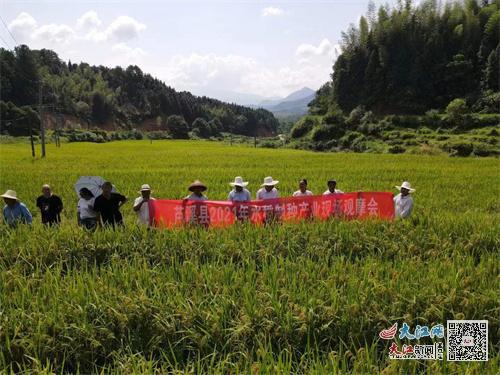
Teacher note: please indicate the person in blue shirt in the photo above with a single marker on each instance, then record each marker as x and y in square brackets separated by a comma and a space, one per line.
[14, 211]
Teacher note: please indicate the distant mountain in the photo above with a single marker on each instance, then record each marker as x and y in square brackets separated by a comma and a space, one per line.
[294, 104]
[241, 98]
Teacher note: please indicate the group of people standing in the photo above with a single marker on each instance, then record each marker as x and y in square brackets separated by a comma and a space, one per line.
[104, 209]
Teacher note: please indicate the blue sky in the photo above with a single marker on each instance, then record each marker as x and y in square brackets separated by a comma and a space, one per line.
[213, 48]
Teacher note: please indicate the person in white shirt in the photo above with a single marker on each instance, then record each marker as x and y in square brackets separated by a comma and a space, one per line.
[239, 193]
[197, 188]
[268, 190]
[141, 205]
[302, 189]
[403, 202]
[332, 188]
[87, 217]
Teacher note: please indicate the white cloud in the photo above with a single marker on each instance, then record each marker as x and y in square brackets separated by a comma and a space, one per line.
[26, 30]
[206, 73]
[88, 20]
[128, 52]
[272, 12]
[325, 48]
[22, 26]
[124, 28]
[96, 36]
[54, 34]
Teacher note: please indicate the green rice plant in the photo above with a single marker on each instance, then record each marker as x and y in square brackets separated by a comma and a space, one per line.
[292, 298]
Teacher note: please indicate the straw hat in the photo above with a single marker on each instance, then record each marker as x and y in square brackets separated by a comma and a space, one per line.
[268, 181]
[197, 184]
[405, 185]
[238, 181]
[145, 187]
[10, 194]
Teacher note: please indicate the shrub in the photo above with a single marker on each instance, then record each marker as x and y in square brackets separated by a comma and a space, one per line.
[159, 135]
[201, 128]
[355, 116]
[326, 132]
[334, 118]
[302, 127]
[459, 148]
[432, 117]
[348, 138]
[455, 112]
[407, 121]
[368, 118]
[483, 149]
[396, 149]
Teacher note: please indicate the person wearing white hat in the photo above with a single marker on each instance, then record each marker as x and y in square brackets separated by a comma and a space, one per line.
[239, 193]
[14, 211]
[268, 190]
[403, 202]
[141, 205]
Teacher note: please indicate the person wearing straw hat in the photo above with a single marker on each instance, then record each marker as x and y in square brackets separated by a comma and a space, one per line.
[302, 189]
[197, 188]
[50, 206]
[239, 193]
[15, 211]
[268, 190]
[403, 202]
[141, 205]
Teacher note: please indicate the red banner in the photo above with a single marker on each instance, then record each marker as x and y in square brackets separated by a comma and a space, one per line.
[173, 213]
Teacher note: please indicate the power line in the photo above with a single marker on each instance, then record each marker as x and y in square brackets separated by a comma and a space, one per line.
[12, 36]
[4, 42]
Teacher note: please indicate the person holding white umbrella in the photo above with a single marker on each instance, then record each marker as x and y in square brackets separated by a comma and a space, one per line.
[239, 192]
[87, 217]
[403, 202]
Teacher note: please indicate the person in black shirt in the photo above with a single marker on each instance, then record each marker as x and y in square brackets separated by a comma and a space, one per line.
[108, 205]
[50, 206]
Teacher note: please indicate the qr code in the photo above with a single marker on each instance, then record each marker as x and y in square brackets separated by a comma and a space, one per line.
[467, 340]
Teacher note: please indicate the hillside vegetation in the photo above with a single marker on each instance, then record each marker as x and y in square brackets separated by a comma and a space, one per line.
[412, 78]
[85, 96]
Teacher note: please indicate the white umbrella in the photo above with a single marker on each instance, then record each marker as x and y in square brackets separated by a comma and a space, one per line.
[93, 183]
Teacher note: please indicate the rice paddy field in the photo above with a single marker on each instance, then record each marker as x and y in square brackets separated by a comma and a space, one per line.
[294, 298]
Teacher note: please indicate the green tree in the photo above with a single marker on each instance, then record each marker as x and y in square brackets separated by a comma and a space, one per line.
[177, 127]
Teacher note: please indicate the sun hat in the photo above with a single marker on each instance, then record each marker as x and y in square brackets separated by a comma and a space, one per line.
[10, 194]
[405, 185]
[145, 187]
[268, 181]
[197, 184]
[238, 181]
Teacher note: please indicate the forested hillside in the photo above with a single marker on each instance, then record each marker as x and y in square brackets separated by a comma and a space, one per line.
[410, 59]
[413, 78]
[111, 98]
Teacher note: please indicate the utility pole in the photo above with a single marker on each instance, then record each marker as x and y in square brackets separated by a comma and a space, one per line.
[31, 139]
[40, 111]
